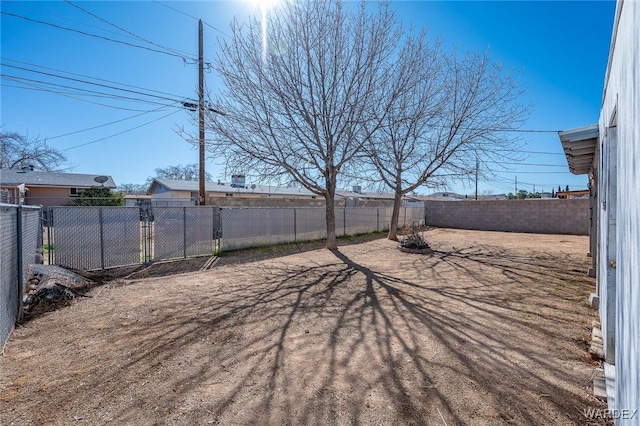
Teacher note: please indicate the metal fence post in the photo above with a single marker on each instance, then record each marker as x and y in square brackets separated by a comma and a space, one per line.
[144, 220]
[378, 219]
[405, 217]
[220, 230]
[101, 237]
[295, 224]
[344, 221]
[184, 232]
[19, 261]
[49, 226]
[213, 229]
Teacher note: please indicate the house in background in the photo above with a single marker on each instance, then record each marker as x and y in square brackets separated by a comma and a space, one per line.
[31, 187]
[169, 192]
[580, 193]
[609, 153]
[358, 198]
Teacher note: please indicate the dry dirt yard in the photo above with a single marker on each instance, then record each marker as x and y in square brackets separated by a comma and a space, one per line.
[490, 329]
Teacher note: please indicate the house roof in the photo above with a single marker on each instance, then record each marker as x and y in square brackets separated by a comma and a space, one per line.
[193, 186]
[580, 147]
[14, 177]
[367, 195]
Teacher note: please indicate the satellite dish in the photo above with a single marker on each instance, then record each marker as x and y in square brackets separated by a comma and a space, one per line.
[101, 179]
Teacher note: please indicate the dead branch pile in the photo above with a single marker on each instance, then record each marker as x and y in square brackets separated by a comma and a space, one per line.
[51, 287]
[414, 241]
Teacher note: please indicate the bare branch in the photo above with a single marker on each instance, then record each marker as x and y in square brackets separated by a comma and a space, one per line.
[306, 108]
[17, 151]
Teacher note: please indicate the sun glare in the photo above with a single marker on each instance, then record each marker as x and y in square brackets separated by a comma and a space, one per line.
[264, 6]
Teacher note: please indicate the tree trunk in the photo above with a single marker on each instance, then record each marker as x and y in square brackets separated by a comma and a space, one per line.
[393, 227]
[331, 221]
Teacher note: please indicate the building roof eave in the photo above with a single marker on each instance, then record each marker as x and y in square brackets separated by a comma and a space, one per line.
[580, 147]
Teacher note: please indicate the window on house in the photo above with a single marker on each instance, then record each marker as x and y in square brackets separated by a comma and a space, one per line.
[74, 192]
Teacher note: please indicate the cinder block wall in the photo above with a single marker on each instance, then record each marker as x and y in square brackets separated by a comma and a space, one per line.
[553, 216]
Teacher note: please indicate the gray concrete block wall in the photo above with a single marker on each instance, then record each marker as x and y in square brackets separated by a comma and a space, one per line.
[537, 216]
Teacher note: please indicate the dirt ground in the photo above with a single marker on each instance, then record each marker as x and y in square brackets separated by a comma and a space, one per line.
[490, 329]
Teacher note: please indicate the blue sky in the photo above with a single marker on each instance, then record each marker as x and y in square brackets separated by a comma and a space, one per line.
[561, 48]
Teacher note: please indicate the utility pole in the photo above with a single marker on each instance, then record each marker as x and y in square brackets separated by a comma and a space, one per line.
[477, 167]
[201, 191]
[516, 185]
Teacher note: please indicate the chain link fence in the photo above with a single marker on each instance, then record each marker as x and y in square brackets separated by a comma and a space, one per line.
[254, 227]
[91, 238]
[20, 247]
[180, 232]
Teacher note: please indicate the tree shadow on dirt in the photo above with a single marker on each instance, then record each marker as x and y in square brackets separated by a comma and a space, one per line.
[482, 336]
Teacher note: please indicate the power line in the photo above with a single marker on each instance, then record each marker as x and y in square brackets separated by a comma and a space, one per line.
[543, 153]
[126, 31]
[4, 59]
[542, 173]
[105, 124]
[119, 133]
[192, 17]
[96, 36]
[66, 18]
[88, 82]
[113, 96]
[73, 97]
[526, 164]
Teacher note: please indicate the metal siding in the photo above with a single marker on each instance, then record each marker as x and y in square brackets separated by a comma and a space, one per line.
[622, 95]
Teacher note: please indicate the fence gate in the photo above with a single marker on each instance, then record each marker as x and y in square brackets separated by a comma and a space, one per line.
[179, 232]
[90, 238]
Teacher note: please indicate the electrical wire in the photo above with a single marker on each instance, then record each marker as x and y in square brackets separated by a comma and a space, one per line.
[185, 59]
[119, 133]
[73, 97]
[168, 49]
[105, 124]
[515, 163]
[88, 82]
[66, 18]
[192, 17]
[23, 80]
[4, 60]
[542, 152]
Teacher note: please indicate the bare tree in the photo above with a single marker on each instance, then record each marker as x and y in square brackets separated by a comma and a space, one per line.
[302, 104]
[134, 188]
[180, 172]
[459, 113]
[17, 151]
